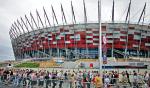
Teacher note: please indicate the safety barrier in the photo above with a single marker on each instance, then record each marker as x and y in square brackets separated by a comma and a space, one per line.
[58, 83]
[50, 83]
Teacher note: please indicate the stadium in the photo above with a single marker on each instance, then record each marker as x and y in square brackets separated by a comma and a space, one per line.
[39, 39]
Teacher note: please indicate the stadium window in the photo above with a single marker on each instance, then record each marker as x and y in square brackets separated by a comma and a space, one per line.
[131, 27]
[103, 27]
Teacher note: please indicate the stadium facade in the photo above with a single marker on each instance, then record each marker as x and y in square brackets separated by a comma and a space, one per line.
[74, 41]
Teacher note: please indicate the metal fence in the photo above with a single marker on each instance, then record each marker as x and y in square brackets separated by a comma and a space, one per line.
[58, 83]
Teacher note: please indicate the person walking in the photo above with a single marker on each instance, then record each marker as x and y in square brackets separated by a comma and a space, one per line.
[79, 80]
[33, 79]
[48, 79]
[60, 77]
[84, 79]
[135, 80]
[98, 81]
[54, 78]
[72, 81]
[88, 78]
[41, 80]
[128, 77]
[146, 77]
[106, 81]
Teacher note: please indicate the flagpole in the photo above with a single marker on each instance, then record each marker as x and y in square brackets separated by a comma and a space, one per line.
[100, 38]
[112, 50]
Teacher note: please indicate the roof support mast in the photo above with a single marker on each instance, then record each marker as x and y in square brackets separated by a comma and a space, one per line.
[85, 24]
[142, 15]
[63, 15]
[39, 18]
[74, 22]
[33, 32]
[127, 19]
[55, 19]
[73, 14]
[112, 50]
[27, 33]
[12, 37]
[15, 41]
[20, 41]
[23, 37]
[40, 33]
[64, 21]
[45, 15]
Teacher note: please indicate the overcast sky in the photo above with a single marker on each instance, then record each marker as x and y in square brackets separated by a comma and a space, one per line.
[11, 10]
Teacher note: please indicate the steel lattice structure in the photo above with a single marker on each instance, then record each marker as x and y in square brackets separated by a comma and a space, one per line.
[35, 38]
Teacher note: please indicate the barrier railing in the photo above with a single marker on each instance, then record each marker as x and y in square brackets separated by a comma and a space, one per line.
[58, 83]
[46, 83]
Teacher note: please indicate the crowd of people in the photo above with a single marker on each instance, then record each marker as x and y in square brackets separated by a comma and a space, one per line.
[73, 79]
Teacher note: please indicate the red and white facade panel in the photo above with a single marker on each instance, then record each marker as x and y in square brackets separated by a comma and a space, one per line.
[136, 36]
